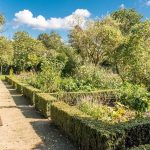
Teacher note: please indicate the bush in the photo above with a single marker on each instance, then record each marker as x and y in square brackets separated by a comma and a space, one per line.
[68, 85]
[96, 78]
[43, 102]
[48, 79]
[91, 134]
[2, 77]
[100, 97]
[141, 147]
[134, 96]
[29, 93]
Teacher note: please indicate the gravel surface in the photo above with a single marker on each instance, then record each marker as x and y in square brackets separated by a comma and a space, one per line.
[24, 128]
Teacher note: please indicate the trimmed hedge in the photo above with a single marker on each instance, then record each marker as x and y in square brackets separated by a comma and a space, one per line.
[15, 83]
[92, 134]
[20, 86]
[102, 96]
[9, 79]
[2, 77]
[29, 92]
[43, 102]
[141, 147]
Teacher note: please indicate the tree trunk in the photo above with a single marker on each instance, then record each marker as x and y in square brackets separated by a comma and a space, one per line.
[1, 70]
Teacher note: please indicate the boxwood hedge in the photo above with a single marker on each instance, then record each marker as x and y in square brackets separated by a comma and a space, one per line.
[43, 102]
[29, 92]
[141, 147]
[102, 96]
[92, 134]
[15, 83]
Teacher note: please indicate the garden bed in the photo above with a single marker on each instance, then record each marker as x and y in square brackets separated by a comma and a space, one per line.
[101, 96]
[91, 134]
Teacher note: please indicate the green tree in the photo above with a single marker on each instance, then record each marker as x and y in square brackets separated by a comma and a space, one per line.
[6, 53]
[98, 39]
[139, 51]
[51, 41]
[132, 58]
[127, 18]
[28, 52]
[74, 38]
[2, 21]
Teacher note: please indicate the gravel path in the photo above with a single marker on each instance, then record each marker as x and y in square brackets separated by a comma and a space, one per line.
[24, 128]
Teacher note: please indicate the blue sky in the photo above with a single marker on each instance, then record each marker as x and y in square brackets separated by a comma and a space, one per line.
[37, 16]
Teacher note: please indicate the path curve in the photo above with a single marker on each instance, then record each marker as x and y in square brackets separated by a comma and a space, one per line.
[24, 128]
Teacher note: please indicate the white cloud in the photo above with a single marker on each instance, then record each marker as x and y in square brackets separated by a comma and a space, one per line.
[148, 3]
[26, 17]
[122, 6]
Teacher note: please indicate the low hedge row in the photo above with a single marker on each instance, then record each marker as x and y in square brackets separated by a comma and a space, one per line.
[9, 79]
[15, 83]
[41, 101]
[29, 92]
[102, 96]
[141, 147]
[90, 134]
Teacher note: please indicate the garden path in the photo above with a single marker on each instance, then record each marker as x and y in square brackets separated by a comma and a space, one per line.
[24, 128]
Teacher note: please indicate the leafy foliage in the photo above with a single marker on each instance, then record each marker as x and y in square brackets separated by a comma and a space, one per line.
[107, 114]
[28, 52]
[2, 20]
[134, 96]
[48, 79]
[96, 40]
[6, 53]
[127, 18]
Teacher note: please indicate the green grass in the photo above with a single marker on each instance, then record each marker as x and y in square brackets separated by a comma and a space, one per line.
[2, 77]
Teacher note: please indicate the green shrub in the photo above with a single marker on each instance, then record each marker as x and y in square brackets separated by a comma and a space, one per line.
[29, 93]
[13, 80]
[97, 78]
[48, 79]
[2, 77]
[68, 85]
[86, 78]
[43, 102]
[141, 147]
[134, 96]
[101, 96]
[91, 134]
[19, 87]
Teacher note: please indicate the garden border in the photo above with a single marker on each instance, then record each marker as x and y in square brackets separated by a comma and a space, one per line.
[90, 134]
[41, 101]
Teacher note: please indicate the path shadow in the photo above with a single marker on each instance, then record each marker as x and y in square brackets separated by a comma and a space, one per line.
[51, 136]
